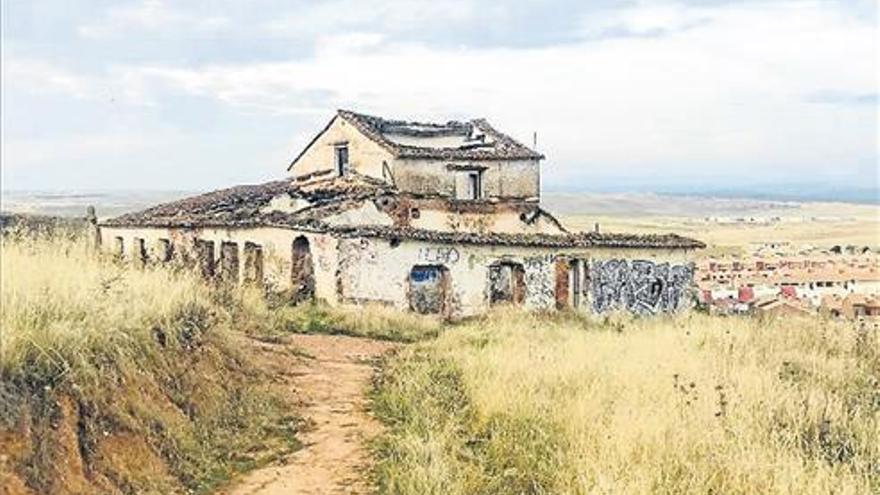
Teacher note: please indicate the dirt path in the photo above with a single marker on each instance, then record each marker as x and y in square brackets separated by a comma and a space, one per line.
[327, 377]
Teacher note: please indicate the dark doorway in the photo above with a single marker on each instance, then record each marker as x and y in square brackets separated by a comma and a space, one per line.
[302, 270]
[428, 288]
[507, 283]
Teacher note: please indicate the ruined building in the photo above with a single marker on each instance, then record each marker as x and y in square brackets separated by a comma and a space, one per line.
[435, 218]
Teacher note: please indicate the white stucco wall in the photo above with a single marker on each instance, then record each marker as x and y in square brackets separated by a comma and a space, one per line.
[375, 270]
[361, 270]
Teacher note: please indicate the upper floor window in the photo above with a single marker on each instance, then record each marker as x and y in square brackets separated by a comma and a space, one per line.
[341, 158]
[469, 185]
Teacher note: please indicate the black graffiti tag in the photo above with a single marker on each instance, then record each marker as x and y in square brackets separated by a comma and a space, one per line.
[440, 255]
[639, 286]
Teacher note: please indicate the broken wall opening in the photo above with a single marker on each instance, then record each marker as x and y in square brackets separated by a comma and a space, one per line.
[139, 251]
[507, 283]
[429, 289]
[302, 273]
[562, 288]
[204, 251]
[120, 246]
[575, 270]
[164, 250]
[229, 262]
[253, 263]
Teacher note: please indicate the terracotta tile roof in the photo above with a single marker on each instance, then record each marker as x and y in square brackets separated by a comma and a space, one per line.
[245, 206]
[498, 146]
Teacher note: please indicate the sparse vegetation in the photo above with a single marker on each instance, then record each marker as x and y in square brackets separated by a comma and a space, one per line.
[519, 403]
[124, 379]
[370, 321]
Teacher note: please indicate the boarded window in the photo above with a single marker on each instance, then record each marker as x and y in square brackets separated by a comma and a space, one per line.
[229, 262]
[205, 258]
[120, 246]
[506, 283]
[302, 273]
[428, 287]
[164, 251]
[253, 263]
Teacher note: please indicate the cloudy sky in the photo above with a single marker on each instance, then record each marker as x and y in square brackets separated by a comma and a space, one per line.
[193, 95]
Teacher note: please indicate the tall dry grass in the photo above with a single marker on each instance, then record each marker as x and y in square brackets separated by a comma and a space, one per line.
[523, 403]
[62, 304]
[120, 378]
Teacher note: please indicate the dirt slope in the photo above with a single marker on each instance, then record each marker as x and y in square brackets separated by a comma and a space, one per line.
[327, 378]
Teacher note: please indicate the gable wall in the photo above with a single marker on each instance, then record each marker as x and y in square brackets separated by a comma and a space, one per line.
[364, 155]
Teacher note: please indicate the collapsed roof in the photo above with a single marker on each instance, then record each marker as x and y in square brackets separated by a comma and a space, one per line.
[311, 203]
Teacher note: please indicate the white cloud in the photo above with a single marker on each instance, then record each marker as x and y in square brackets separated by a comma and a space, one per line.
[723, 87]
[339, 16]
[729, 89]
[150, 15]
[39, 76]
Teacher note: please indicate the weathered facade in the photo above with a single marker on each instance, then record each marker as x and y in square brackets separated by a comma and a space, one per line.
[435, 218]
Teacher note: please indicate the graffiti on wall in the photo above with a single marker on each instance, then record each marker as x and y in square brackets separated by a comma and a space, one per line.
[639, 286]
[539, 281]
[439, 255]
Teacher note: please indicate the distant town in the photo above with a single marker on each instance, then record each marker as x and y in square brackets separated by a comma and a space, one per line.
[780, 277]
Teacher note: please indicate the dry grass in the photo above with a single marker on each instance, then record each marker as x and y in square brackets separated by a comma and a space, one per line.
[518, 403]
[370, 321]
[117, 378]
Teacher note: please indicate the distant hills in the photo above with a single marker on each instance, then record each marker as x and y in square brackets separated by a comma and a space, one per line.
[681, 201]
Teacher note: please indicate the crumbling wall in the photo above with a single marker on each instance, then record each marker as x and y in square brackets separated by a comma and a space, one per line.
[360, 270]
[274, 246]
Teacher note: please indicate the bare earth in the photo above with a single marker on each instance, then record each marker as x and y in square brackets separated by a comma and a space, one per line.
[327, 377]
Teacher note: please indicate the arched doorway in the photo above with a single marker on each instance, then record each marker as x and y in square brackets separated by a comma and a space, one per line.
[302, 273]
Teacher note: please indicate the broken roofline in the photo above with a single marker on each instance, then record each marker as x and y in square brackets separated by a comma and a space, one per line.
[374, 128]
[579, 240]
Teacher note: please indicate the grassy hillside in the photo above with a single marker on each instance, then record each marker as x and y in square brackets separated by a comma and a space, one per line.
[119, 379]
[516, 403]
